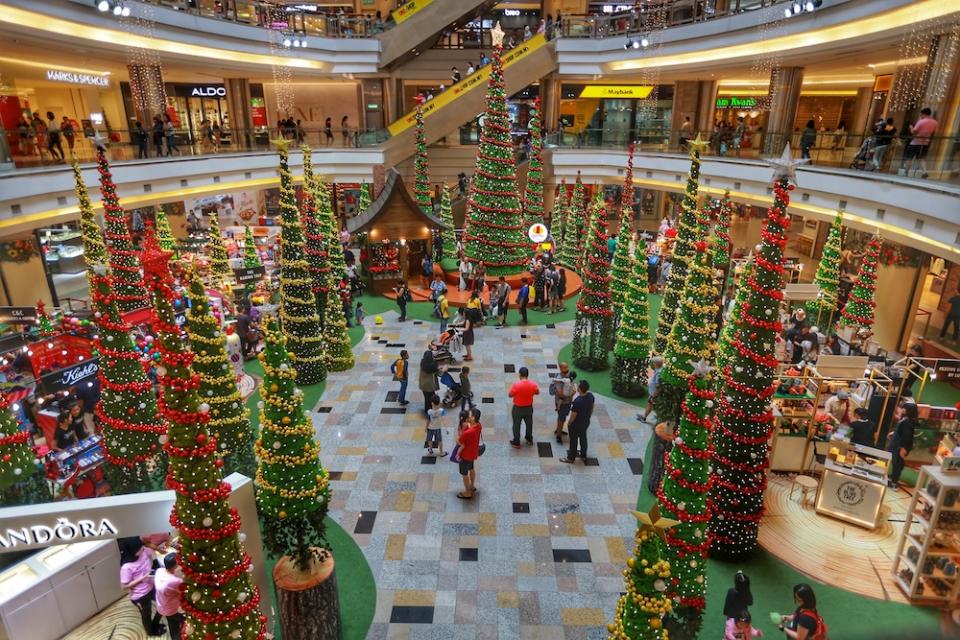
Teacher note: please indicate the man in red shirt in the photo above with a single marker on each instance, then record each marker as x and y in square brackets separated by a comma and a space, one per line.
[469, 441]
[522, 393]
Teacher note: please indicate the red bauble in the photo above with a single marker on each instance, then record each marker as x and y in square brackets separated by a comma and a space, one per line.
[201, 438]
[216, 593]
[131, 411]
[218, 462]
[193, 557]
[7, 457]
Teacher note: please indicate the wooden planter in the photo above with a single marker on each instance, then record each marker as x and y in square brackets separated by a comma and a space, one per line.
[307, 601]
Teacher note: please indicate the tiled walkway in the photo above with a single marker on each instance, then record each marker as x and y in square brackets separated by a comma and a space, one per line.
[538, 553]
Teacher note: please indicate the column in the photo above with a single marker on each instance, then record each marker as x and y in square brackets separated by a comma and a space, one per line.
[943, 95]
[694, 99]
[783, 101]
[149, 95]
[239, 110]
[550, 102]
[858, 122]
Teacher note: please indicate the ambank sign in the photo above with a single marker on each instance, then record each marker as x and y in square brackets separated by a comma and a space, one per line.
[70, 77]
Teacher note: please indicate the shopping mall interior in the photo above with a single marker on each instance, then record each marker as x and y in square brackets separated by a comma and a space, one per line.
[267, 267]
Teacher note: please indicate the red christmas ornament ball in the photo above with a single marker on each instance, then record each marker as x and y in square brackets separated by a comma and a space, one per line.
[201, 438]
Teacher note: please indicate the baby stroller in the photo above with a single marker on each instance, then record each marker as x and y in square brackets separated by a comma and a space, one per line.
[864, 157]
[447, 344]
[454, 393]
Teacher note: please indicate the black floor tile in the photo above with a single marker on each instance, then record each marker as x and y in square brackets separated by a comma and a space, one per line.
[396, 345]
[324, 409]
[335, 475]
[469, 555]
[393, 396]
[571, 555]
[550, 326]
[375, 338]
[411, 615]
[486, 400]
[365, 523]
[524, 336]
[428, 460]
[552, 366]
[521, 507]
[544, 450]
[382, 341]
[636, 465]
[418, 322]
[388, 410]
[591, 462]
[509, 368]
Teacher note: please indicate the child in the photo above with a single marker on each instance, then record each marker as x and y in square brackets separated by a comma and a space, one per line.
[740, 628]
[435, 426]
[358, 313]
[467, 394]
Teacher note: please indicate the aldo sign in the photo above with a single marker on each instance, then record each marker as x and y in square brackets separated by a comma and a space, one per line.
[209, 91]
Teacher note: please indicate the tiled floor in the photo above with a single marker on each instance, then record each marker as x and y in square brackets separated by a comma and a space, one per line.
[538, 553]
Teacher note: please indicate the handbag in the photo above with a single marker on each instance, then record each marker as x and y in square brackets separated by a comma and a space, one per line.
[482, 447]
[455, 454]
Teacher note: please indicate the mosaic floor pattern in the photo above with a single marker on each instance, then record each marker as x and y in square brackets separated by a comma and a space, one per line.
[537, 554]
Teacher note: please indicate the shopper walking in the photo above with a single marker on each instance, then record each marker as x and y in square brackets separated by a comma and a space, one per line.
[807, 139]
[401, 374]
[653, 382]
[140, 139]
[328, 130]
[167, 583]
[157, 134]
[136, 576]
[523, 295]
[805, 623]
[522, 393]
[427, 380]
[901, 442]
[443, 306]
[578, 422]
[403, 297]
[503, 301]
[922, 131]
[69, 133]
[563, 391]
[883, 138]
[469, 441]
[953, 317]
[435, 415]
[53, 137]
[467, 336]
[170, 134]
[345, 130]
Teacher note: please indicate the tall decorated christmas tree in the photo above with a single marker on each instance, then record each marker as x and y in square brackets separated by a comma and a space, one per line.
[722, 213]
[689, 230]
[421, 165]
[623, 267]
[641, 609]
[124, 258]
[629, 375]
[251, 256]
[164, 233]
[229, 420]
[744, 418]
[21, 479]
[494, 232]
[446, 217]
[217, 253]
[298, 308]
[533, 196]
[558, 219]
[593, 329]
[573, 231]
[363, 203]
[683, 497]
[860, 308]
[219, 597]
[94, 251]
[725, 349]
[317, 214]
[293, 487]
[827, 277]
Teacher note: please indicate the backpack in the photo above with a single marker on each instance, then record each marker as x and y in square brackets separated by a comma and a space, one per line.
[397, 368]
[821, 632]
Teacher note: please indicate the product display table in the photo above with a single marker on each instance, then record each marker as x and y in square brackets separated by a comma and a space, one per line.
[853, 484]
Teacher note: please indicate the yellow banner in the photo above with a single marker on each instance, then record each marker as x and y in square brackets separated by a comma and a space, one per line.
[639, 92]
[479, 77]
[408, 9]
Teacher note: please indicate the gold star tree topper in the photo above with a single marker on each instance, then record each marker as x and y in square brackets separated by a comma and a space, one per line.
[652, 521]
[496, 35]
[697, 146]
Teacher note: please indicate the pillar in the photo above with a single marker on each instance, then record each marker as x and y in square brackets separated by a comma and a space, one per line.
[550, 102]
[942, 94]
[694, 99]
[858, 122]
[238, 108]
[149, 95]
[783, 100]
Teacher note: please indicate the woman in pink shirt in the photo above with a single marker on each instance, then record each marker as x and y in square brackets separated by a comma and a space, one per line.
[136, 576]
[919, 145]
[167, 584]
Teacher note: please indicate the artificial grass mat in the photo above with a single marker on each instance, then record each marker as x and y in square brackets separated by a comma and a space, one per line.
[373, 305]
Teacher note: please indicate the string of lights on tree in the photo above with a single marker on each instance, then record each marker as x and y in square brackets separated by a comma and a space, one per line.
[572, 246]
[293, 490]
[494, 232]
[446, 217]
[317, 229]
[251, 255]
[725, 350]
[363, 202]
[21, 479]
[860, 308]
[722, 214]
[827, 277]
[229, 420]
[164, 233]
[593, 327]
[219, 598]
[533, 195]
[623, 267]
[298, 309]
[422, 192]
[558, 219]
[632, 348]
[220, 270]
[338, 351]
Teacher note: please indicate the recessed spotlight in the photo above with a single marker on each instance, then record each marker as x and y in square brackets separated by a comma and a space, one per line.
[125, 12]
[788, 12]
[286, 42]
[797, 7]
[117, 10]
[644, 42]
[636, 44]
[103, 5]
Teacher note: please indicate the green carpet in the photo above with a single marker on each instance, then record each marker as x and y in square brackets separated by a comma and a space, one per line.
[372, 305]
[939, 394]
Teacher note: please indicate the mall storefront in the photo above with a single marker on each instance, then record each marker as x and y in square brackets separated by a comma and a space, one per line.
[613, 115]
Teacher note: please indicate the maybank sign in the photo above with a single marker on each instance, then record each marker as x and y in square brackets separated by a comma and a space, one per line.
[639, 92]
[71, 77]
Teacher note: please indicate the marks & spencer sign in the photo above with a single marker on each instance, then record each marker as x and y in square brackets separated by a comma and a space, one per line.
[89, 79]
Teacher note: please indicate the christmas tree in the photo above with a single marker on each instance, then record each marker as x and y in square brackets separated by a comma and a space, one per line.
[683, 497]
[421, 166]
[446, 217]
[573, 229]
[229, 420]
[623, 267]
[641, 609]
[298, 310]
[494, 232]
[317, 213]
[219, 597]
[94, 251]
[124, 258]
[827, 277]
[533, 198]
[725, 350]
[558, 219]
[21, 479]
[722, 211]
[593, 329]
[251, 256]
[293, 487]
[45, 326]
[364, 202]
[689, 230]
[217, 253]
[629, 375]
[859, 309]
[164, 233]
[744, 419]
[338, 353]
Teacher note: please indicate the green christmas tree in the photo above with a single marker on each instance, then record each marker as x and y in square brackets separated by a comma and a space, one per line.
[860, 307]
[623, 266]
[593, 328]
[827, 277]
[364, 202]
[317, 214]
[629, 375]
[293, 487]
[217, 253]
[446, 217]
[21, 478]
[251, 256]
[744, 418]
[219, 597]
[494, 232]
[229, 419]
[298, 310]
[641, 609]
[577, 213]
[722, 247]
[164, 233]
[338, 352]
[689, 230]
[94, 251]
[683, 497]
[533, 197]
[725, 349]
[558, 219]
[45, 327]
[421, 165]
[124, 258]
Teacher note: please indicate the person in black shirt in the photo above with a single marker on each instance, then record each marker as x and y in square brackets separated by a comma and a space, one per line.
[579, 421]
[862, 429]
[739, 597]
[901, 442]
[953, 317]
[805, 623]
[66, 434]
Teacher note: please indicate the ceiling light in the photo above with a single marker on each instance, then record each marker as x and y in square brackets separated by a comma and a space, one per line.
[788, 12]
[286, 42]
[797, 7]
[103, 5]
[117, 10]
[296, 43]
[809, 6]
[125, 12]
[303, 43]
[644, 42]
[636, 44]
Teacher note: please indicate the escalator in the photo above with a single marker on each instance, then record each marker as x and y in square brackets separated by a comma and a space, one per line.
[419, 23]
[523, 65]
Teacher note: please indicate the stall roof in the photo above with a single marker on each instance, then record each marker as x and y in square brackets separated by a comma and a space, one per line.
[378, 207]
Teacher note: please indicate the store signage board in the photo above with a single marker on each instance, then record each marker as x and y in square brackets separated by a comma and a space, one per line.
[850, 498]
[538, 232]
[249, 274]
[70, 77]
[67, 377]
[737, 102]
[408, 9]
[18, 314]
[209, 91]
[947, 371]
[638, 92]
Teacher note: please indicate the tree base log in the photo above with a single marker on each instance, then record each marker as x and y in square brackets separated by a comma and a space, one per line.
[307, 601]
